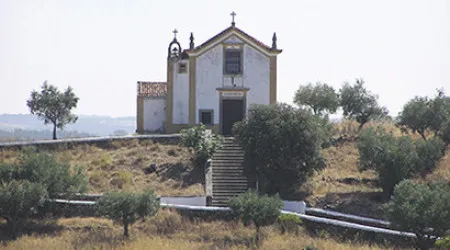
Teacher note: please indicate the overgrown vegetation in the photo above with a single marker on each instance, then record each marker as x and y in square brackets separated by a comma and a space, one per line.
[126, 208]
[258, 210]
[397, 158]
[282, 147]
[204, 143]
[422, 209]
[26, 184]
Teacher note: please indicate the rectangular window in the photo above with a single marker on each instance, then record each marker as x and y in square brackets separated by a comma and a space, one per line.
[206, 117]
[233, 62]
[182, 68]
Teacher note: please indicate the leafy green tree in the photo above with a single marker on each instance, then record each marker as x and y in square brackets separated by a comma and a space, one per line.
[204, 143]
[320, 98]
[422, 113]
[397, 158]
[422, 209]
[19, 200]
[53, 106]
[416, 116]
[359, 104]
[56, 177]
[281, 145]
[126, 208]
[259, 210]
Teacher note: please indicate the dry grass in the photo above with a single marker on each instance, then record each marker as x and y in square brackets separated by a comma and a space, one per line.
[120, 166]
[94, 233]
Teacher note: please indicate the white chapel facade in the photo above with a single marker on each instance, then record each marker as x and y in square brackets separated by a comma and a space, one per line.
[214, 83]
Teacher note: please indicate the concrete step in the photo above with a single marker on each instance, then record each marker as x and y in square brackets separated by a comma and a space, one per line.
[230, 177]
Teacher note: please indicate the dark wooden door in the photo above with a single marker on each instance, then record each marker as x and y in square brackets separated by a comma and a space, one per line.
[232, 111]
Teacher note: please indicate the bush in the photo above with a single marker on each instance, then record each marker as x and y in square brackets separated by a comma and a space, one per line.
[443, 243]
[288, 223]
[259, 210]
[396, 158]
[19, 200]
[205, 144]
[43, 168]
[282, 147]
[126, 208]
[422, 209]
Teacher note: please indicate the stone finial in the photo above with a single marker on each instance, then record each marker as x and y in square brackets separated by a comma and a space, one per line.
[191, 44]
[274, 40]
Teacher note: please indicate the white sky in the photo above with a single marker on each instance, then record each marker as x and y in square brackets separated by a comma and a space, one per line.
[102, 47]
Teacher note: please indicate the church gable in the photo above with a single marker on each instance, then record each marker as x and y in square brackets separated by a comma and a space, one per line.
[231, 34]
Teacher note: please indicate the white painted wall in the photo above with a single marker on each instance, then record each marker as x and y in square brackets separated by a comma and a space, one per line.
[180, 114]
[154, 114]
[256, 77]
[209, 76]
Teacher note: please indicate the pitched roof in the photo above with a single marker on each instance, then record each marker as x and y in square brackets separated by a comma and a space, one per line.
[228, 30]
[152, 89]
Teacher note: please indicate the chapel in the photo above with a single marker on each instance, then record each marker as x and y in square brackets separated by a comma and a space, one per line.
[214, 83]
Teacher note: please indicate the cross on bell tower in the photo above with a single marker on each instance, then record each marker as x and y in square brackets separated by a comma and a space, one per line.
[175, 31]
[233, 14]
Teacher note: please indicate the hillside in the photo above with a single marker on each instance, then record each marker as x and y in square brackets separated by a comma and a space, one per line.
[120, 166]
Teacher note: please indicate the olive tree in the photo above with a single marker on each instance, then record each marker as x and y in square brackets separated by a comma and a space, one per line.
[53, 106]
[422, 209]
[423, 114]
[281, 146]
[360, 104]
[55, 176]
[259, 210]
[321, 98]
[19, 200]
[397, 158]
[126, 208]
[415, 116]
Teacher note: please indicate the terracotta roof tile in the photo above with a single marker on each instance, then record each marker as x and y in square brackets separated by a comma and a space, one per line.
[152, 89]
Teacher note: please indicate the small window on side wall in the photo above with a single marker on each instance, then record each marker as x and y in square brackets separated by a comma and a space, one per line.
[182, 68]
[206, 117]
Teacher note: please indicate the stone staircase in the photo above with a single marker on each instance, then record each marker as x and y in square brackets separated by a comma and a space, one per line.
[228, 177]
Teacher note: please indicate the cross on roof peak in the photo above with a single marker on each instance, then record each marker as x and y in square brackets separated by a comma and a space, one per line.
[175, 31]
[233, 14]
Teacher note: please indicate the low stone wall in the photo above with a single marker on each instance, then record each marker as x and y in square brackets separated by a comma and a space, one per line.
[105, 141]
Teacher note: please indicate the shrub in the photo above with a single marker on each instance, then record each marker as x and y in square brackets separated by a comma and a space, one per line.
[205, 144]
[126, 208]
[288, 223]
[422, 209]
[281, 145]
[259, 210]
[396, 158]
[19, 200]
[443, 243]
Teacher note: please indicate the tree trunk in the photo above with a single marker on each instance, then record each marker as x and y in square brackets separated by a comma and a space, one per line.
[125, 229]
[258, 236]
[11, 225]
[54, 131]
[361, 125]
[423, 135]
